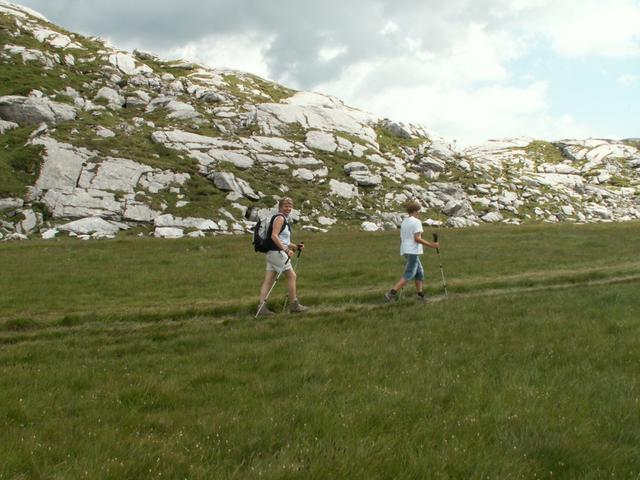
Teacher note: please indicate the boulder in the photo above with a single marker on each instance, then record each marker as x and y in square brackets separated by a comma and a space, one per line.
[369, 227]
[228, 182]
[355, 167]
[344, 190]
[321, 141]
[492, 217]
[10, 203]
[111, 96]
[34, 111]
[6, 126]
[91, 225]
[50, 233]
[168, 232]
[366, 179]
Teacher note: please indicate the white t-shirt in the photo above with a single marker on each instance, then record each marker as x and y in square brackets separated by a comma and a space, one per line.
[410, 226]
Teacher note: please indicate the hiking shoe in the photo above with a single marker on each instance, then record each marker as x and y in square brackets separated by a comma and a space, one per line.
[297, 307]
[390, 297]
[422, 299]
[264, 311]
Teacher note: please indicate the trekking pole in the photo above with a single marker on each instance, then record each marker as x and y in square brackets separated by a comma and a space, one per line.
[444, 281]
[295, 269]
[264, 302]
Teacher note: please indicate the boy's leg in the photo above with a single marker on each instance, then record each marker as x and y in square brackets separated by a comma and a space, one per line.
[419, 280]
[400, 285]
[409, 273]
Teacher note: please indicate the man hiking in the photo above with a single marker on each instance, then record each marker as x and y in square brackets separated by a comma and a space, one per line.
[279, 259]
[411, 243]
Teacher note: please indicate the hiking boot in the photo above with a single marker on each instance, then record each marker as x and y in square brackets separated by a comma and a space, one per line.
[263, 311]
[422, 298]
[297, 307]
[390, 297]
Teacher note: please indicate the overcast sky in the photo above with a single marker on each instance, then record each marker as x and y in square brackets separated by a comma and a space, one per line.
[466, 69]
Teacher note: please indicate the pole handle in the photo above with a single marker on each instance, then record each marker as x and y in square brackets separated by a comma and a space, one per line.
[435, 239]
[301, 244]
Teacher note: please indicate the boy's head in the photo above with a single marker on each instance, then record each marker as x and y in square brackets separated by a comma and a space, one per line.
[413, 207]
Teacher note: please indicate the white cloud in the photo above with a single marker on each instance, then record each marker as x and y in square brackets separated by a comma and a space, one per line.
[327, 54]
[628, 79]
[590, 28]
[239, 52]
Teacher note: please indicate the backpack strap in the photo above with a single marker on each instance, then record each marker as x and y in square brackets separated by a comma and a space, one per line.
[284, 225]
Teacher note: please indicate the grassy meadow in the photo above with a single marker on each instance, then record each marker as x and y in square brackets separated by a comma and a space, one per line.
[140, 358]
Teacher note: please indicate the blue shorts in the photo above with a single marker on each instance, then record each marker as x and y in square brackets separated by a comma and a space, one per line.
[413, 270]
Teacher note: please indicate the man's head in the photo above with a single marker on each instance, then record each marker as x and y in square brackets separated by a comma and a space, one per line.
[413, 207]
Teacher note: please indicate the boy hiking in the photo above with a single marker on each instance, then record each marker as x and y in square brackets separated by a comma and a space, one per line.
[411, 243]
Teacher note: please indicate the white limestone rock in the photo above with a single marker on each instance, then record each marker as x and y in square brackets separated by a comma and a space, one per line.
[62, 165]
[181, 110]
[461, 222]
[7, 126]
[32, 55]
[50, 233]
[34, 111]
[114, 174]
[355, 167]
[321, 141]
[304, 174]
[366, 179]
[168, 232]
[492, 217]
[128, 64]
[75, 203]
[10, 203]
[369, 227]
[110, 95]
[227, 182]
[344, 190]
[30, 222]
[104, 132]
[169, 220]
[157, 180]
[55, 39]
[240, 159]
[139, 212]
[91, 225]
[326, 221]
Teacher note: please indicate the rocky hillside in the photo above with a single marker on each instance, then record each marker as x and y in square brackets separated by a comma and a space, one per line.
[95, 141]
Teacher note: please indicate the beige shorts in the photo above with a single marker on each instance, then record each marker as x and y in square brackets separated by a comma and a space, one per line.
[277, 261]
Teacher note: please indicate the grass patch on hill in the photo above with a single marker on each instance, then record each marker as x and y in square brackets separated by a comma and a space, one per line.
[155, 367]
[389, 142]
[544, 152]
[19, 163]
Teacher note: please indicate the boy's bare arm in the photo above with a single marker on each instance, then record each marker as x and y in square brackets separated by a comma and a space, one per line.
[418, 238]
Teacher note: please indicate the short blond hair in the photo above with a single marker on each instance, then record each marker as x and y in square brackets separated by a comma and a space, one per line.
[413, 206]
[283, 201]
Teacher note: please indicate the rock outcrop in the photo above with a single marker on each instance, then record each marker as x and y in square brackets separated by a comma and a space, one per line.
[106, 140]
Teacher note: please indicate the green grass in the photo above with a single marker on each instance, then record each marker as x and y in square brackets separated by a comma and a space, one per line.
[19, 163]
[139, 358]
[544, 152]
[392, 143]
